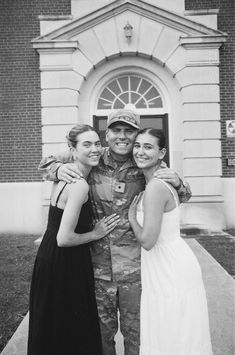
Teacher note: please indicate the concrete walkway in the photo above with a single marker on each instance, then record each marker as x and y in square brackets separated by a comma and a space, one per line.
[220, 289]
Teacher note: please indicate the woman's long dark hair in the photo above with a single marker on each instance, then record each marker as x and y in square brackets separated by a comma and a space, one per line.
[157, 133]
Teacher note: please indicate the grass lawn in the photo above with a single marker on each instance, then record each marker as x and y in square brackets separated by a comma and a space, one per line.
[17, 254]
[222, 248]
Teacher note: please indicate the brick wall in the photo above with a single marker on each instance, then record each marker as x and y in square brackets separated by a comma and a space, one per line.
[226, 23]
[20, 94]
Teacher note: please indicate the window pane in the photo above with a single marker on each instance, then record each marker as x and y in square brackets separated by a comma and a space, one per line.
[104, 105]
[134, 83]
[118, 104]
[125, 98]
[134, 97]
[106, 94]
[152, 93]
[141, 104]
[124, 83]
[114, 87]
[155, 103]
[144, 86]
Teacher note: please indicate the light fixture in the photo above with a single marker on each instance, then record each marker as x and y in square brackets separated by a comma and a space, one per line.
[128, 31]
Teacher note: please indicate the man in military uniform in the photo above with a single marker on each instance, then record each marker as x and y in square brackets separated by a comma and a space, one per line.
[116, 258]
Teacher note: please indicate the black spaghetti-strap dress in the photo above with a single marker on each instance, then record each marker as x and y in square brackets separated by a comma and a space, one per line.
[63, 318]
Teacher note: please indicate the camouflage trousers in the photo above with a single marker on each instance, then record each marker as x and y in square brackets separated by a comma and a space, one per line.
[112, 297]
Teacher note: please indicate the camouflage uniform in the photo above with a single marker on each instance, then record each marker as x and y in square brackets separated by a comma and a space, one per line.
[116, 257]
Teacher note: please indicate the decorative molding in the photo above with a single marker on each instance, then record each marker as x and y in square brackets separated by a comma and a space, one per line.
[55, 45]
[139, 7]
[200, 42]
[99, 42]
[201, 12]
[59, 68]
[54, 17]
[202, 64]
[170, 54]
[157, 40]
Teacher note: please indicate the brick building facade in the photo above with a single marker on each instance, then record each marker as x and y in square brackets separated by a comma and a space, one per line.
[20, 125]
[226, 23]
[25, 85]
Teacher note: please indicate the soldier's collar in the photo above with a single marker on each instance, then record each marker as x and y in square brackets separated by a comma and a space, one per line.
[109, 160]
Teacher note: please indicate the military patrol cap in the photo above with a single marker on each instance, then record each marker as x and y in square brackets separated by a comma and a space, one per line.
[126, 116]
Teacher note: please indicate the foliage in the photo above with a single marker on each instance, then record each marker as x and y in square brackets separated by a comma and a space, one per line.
[17, 254]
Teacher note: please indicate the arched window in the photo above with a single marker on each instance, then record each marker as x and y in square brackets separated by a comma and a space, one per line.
[129, 89]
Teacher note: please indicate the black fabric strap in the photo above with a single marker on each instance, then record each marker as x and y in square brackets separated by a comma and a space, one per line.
[60, 194]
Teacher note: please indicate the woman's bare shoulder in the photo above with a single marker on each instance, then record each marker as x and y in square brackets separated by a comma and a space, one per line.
[156, 185]
[157, 189]
[80, 186]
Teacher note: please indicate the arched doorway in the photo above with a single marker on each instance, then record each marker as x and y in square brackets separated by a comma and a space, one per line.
[139, 93]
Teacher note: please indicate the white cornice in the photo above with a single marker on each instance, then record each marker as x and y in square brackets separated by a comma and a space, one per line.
[167, 18]
[59, 45]
[194, 42]
[54, 17]
[201, 12]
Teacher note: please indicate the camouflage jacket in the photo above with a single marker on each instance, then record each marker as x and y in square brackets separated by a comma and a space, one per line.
[115, 257]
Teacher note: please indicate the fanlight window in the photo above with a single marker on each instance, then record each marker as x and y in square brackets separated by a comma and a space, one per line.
[129, 90]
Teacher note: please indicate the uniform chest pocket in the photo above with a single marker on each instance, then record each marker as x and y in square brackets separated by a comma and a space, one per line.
[131, 176]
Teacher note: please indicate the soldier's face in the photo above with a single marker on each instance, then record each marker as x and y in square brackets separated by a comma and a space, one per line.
[121, 138]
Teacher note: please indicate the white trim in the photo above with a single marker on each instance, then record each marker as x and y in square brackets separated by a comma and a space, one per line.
[157, 111]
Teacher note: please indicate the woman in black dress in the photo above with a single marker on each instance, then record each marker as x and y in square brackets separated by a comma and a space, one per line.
[63, 318]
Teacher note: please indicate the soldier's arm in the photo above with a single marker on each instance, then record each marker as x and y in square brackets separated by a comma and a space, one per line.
[184, 191]
[49, 165]
[60, 167]
[170, 176]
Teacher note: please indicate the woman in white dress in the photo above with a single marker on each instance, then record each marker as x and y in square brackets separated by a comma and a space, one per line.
[174, 315]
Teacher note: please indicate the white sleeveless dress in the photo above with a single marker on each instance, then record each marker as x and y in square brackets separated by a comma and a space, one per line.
[174, 314]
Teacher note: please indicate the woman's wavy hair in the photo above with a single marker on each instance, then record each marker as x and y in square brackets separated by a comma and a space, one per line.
[75, 131]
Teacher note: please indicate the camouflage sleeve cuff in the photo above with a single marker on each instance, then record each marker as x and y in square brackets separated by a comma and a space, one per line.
[49, 168]
[49, 165]
[184, 191]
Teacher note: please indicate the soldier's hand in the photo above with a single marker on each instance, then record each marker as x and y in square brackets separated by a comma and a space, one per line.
[169, 176]
[69, 173]
[105, 226]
